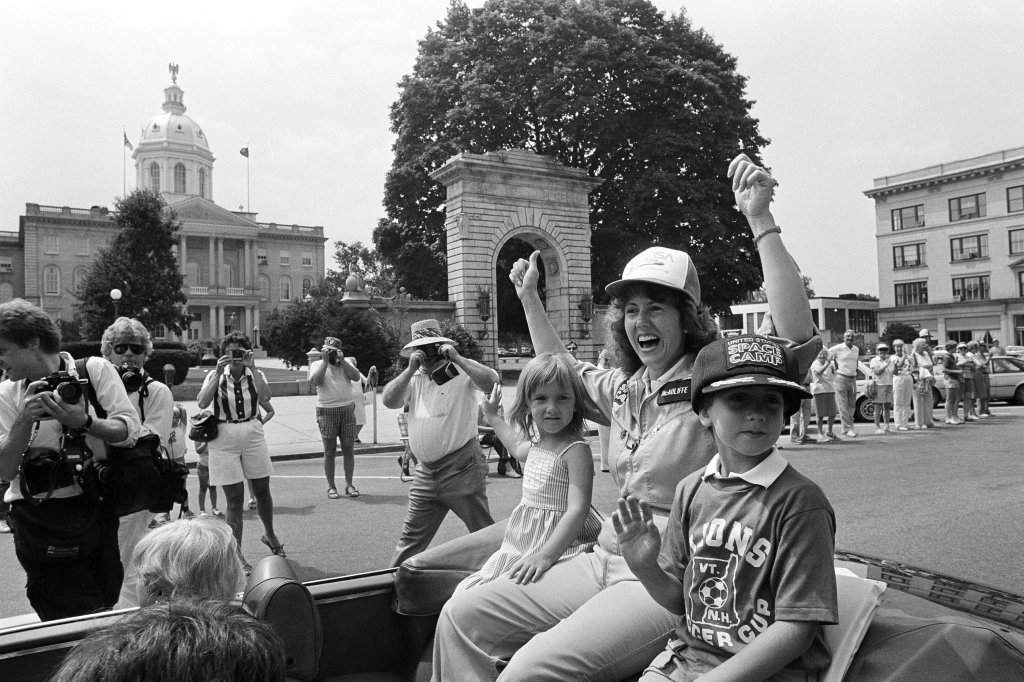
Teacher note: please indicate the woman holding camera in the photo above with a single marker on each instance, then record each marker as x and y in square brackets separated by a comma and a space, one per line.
[336, 411]
[66, 546]
[239, 452]
[127, 345]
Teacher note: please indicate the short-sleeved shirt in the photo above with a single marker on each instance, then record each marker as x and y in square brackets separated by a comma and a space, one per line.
[751, 549]
[882, 370]
[823, 375]
[441, 418]
[847, 359]
[158, 409]
[111, 395]
[235, 399]
[336, 388]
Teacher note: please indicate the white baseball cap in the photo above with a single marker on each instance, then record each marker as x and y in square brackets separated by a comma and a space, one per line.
[658, 265]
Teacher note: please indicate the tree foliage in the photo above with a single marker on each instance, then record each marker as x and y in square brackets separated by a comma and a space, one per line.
[378, 277]
[648, 104]
[141, 263]
[898, 330]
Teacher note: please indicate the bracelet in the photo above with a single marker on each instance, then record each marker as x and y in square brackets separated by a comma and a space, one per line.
[88, 423]
[774, 228]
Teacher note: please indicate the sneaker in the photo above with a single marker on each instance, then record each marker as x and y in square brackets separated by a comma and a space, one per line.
[834, 437]
[952, 422]
[904, 428]
[188, 514]
[851, 434]
[217, 512]
[879, 431]
[4, 528]
[203, 515]
[252, 503]
[824, 439]
[984, 416]
[159, 520]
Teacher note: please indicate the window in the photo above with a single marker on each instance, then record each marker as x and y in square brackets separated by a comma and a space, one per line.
[80, 275]
[6, 292]
[908, 255]
[307, 259]
[863, 321]
[154, 177]
[971, 288]
[307, 284]
[51, 245]
[965, 208]
[968, 248]
[285, 288]
[6, 264]
[192, 273]
[1020, 283]
[1017, 241]
[51, 280]
[160, 332]
[202, 182]
[179, 178]
[264, 288]
[911, 216]
[81, 246]
[261, 256]
[1015, 199]
[286, 258]
[911, 293]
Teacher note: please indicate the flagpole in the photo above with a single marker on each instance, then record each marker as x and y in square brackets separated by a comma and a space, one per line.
[124, 165]
[247, 205]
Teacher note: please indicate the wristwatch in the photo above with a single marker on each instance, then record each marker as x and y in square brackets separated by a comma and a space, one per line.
[88, 423]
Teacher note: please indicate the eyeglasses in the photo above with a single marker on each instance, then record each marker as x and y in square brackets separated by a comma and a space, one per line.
[122, 348]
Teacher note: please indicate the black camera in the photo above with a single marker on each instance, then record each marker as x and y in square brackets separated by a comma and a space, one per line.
[132, 377]
[431, 352]
[332, 357]
[444, 373]
[67, 386]
[237, 354]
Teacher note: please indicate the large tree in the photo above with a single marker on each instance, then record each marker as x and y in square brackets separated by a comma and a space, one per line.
[140, 262]
[650, 105]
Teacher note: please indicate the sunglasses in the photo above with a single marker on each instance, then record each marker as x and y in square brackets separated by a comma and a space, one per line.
[122, 348]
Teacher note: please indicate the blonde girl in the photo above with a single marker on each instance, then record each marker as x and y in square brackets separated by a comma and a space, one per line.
[554, 520]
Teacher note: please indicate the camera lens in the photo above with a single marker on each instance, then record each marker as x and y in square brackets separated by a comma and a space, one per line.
[69, 392]
[132, 379]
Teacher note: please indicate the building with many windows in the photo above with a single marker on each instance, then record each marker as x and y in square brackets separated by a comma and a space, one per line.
[950, 244]
[236, 268]
[832, 315]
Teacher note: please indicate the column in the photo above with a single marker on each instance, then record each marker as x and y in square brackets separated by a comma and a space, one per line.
[212, 279]
[244, 267]
[182, 256]
[211, 325]
[220, 321]
[220, 265]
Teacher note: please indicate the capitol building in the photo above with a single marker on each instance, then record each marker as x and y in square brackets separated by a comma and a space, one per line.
[236, 268]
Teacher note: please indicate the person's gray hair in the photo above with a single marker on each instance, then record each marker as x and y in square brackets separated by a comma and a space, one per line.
[188, 558]
[121, 328]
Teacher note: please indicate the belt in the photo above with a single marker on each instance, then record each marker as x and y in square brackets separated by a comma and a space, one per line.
[234, 421]
[848, 376]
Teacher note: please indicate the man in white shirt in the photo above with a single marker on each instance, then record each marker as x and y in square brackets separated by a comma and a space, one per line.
[845, 356]
[441, 390]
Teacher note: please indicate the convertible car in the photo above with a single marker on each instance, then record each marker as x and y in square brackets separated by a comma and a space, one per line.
[897, 622]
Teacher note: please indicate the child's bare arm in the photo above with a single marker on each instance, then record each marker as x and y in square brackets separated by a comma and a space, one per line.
[640, 542]
[770, 652]
[490, 406]
[580, 463]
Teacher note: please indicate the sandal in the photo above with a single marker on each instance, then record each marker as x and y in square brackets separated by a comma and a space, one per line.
[252, 503]
[333, 493]
[350, 491]
[277, 550]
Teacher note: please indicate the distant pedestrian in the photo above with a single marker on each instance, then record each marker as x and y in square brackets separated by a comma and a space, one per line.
[846, 356]
[361, 392]
[978, 352]
[442, 390]
[952, 373]
[965, 362]
[823, 374]
[902, 385]
[333, 376]
[882, 370]
[923, 372]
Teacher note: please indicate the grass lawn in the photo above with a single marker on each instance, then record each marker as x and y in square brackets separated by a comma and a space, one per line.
[197, 374]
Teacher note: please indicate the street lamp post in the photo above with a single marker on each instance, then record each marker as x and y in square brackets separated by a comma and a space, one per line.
[115, 296]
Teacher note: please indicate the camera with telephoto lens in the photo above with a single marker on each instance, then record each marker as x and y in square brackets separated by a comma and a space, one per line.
[332, 357]
[66, 386]
[132, 377]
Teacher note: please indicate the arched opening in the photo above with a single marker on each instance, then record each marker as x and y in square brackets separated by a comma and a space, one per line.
[513, 334]
[179, 178]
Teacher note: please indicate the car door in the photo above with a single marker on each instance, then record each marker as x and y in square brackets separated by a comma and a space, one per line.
[1005, 374]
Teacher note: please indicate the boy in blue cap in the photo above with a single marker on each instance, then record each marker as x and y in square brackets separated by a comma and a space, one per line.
[747, 558]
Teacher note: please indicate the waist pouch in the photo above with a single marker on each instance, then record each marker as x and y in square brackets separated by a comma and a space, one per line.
[42, 472]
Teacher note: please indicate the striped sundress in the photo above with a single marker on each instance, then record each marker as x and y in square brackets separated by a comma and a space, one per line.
[544, 502]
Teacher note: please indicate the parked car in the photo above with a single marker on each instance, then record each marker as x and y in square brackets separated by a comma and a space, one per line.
[1016, 351]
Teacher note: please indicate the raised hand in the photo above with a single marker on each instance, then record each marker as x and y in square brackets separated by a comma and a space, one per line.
[417, 359]
[525, 274]
[491, 403]
[752, 187]
[639, 539]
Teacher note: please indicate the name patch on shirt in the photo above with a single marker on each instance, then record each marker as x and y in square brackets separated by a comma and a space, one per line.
[621, 393]
[675, 392]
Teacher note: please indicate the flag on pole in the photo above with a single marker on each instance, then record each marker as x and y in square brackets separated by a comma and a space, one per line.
[244, 151]
[127, 143]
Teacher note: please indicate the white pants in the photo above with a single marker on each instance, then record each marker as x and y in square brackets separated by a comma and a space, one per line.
[902, 396]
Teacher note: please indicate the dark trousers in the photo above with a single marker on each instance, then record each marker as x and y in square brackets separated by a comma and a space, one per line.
[456, 482]
[69, 553]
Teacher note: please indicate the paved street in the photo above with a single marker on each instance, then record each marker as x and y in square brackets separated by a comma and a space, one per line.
[947, 499]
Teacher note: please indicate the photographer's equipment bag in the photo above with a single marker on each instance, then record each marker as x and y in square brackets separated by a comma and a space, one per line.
[136, 478]
[202, 427]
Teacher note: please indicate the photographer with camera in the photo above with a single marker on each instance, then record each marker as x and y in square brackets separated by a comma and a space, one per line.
[336, 411]
[239, 452]
[442, 391]
[126, 344]
[66, 545]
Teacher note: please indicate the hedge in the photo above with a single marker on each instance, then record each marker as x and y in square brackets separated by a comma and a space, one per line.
[164, 352]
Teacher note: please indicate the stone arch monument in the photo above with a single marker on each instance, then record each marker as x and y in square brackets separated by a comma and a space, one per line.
[498, 196]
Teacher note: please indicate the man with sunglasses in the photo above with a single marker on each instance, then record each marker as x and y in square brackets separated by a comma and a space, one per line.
[127, 345]
[442, 390]
[67, 547]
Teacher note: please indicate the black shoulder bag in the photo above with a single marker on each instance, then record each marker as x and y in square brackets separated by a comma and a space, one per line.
[135, 478]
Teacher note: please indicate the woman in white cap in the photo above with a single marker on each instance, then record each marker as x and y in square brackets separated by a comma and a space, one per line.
[882, 368]
[589, 617]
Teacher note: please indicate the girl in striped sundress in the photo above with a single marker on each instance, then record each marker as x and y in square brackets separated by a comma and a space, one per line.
[554, 520]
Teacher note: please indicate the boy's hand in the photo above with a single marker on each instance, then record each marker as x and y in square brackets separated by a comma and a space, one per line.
[529, 569]
[638, 537]
[491, 403]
